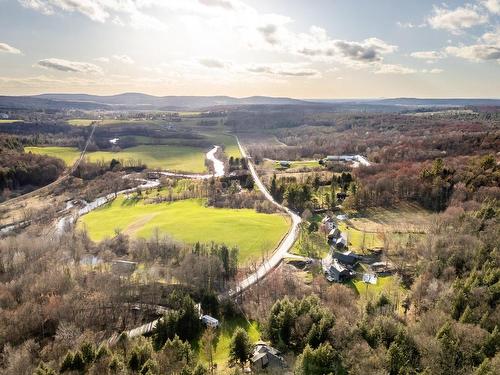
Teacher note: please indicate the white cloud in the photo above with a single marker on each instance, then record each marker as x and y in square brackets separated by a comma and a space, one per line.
[428, 55]
[39, 5]
[457, 19]
[283, 69]
[491, 37]
[475, 52]
[410, 25]
[102, 10]
[125, 59]
[432, 71]
[394, 69]
[226, 4]
[69, 66]
[213, 63]
[492, 5]
[6, 48]
[102, 59]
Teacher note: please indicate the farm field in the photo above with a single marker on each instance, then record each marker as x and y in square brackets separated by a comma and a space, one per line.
[402, 218]
[189, 221]
[67, 154]
[167, 157]
[80, 122]
[7, 121]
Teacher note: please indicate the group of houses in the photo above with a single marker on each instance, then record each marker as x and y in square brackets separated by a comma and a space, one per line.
[340, 264]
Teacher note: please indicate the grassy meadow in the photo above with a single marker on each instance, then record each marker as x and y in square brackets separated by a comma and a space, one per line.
[189, 221]
[80, 122]
[7, 121]
[68, 154]
[167, 157]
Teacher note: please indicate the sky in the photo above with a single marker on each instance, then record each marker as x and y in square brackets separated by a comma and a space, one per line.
[293, 48]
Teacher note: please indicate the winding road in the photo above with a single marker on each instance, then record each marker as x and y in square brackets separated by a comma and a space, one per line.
[284, 246]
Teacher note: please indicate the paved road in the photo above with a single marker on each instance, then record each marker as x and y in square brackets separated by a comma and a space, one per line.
[284, 246]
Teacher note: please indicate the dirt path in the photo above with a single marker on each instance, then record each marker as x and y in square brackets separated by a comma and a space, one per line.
[132, 228]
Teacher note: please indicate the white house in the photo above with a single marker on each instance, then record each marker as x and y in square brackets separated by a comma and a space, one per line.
[209, 321]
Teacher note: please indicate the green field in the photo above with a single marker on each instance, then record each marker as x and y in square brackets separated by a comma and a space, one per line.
[67, 154]
[7, 121]
[359, 240]
[166, 157]
[80, 122]
[223, 340]
[172, 158]
[299, 164]
[189, 221]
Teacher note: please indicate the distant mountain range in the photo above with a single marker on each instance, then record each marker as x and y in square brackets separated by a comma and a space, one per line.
[140, 101]
[415, 102]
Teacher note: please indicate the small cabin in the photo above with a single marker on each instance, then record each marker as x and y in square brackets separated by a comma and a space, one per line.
[209, 321]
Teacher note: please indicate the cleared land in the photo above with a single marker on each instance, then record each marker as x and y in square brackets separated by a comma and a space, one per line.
[167, 157]
[80, 122]
[402, 218]
[6, 121]
[360, 240]
[189, 221]
[67, 154]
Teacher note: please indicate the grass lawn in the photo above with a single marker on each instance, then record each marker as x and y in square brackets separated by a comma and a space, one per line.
[225, 331]
[390, 286]
[190, 221]
[68, 154]
[359, 240]
[80, 122]
[7, 121]
[167, 157]
[312, 245]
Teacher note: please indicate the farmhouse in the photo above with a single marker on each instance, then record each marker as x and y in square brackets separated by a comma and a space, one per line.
[266, 357]
[336, 272]
[347, 258]
[209, 321]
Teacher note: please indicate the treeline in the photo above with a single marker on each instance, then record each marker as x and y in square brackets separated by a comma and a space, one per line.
[432, 185]
[21, 172]
[383, 138]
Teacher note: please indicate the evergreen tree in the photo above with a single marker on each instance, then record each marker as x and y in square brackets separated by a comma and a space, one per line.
[239, 348]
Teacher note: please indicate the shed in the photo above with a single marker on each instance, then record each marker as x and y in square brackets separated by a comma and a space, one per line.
[209, 321]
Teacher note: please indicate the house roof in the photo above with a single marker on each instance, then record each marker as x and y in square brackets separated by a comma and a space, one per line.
[209, 319]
